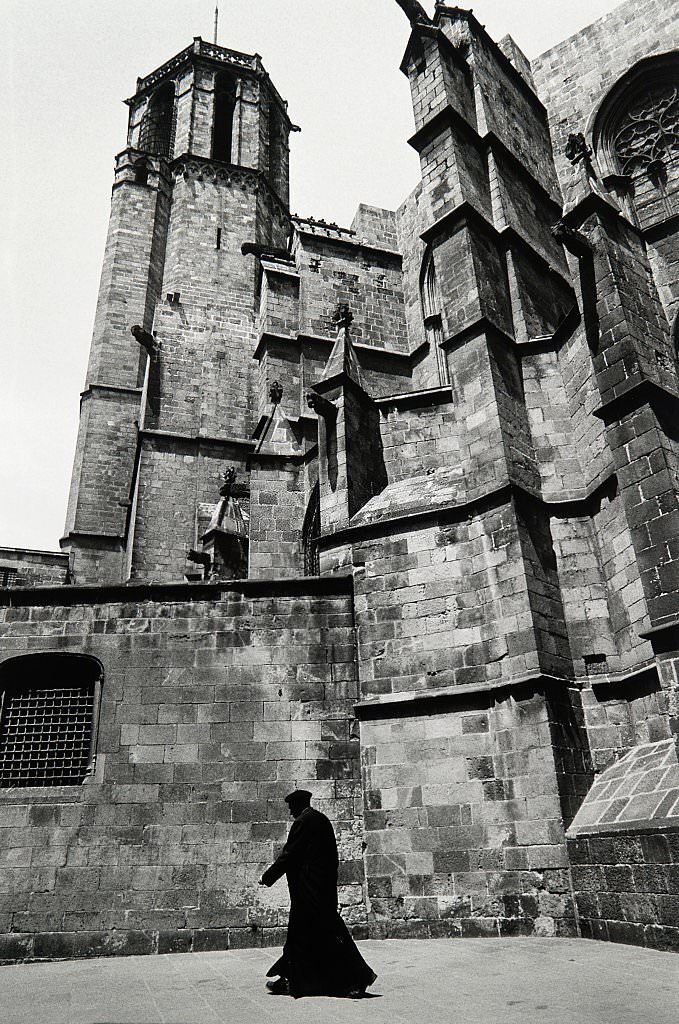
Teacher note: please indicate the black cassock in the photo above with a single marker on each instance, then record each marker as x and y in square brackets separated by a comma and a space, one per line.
[319, 956]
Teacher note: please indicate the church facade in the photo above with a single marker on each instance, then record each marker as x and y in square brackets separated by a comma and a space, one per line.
[387, 512]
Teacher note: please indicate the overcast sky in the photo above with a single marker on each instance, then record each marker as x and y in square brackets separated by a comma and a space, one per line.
[69, 63]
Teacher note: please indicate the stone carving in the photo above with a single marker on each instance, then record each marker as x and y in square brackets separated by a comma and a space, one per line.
[229, 479]
[343, 317]
[414, 12]
[577, 150]
[145, 339]
[650, 130]
[276, 392]
[321, 406]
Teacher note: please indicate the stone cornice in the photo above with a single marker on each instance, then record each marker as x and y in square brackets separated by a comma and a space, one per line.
[33, 554]
[348, 241]
[546, 343]
[412, 700]
[640, 393]
[134, 593]
[293, 343]
[586, 502]
[196, 439]
[189, 165]
[118, 389]
[467, 215]
[424, 397]
[664, 636]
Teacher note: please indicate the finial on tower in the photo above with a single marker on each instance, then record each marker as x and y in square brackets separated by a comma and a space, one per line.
[216, 21]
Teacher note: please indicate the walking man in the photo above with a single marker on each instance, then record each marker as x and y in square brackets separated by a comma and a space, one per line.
[320, 958]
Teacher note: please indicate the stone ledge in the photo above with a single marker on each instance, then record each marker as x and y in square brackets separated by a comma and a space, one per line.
[124, 593]
[408, 698]
[447, 512]
[466, 215]
[631, 828]
[640, 393]
[198, 439]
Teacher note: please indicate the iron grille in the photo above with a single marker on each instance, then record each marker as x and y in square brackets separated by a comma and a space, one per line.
[311, 531]
[46, 735]
[8, 577]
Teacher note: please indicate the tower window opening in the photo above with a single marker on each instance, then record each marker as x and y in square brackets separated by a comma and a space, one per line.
[48, 706]
[433, 323]
[219, 238]
[141, 172]
[225, 105]
[276, 143]
[156, 129]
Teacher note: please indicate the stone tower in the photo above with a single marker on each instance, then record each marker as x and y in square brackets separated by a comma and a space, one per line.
[167, 407]
[440, 587]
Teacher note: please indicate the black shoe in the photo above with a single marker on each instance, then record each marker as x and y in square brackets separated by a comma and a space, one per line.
[359, 991]
[279, 987]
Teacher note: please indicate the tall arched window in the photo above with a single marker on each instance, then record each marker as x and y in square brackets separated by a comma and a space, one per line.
[431, 309]
[222, 129]
[156, 128]
[311, 531]
[636, 137]
[48, 711]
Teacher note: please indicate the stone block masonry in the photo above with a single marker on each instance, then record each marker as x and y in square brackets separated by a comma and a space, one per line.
[214, 705]
[482, 465]
[463, 819]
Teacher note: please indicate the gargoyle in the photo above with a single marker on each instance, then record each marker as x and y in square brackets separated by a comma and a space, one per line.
[145, 339]
[321, 406]
[414, 12]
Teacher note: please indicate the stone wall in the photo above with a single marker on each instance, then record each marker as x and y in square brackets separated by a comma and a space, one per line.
[215, 703]
[573, 76]
[20, 567]
[624, 848]
[463, 818]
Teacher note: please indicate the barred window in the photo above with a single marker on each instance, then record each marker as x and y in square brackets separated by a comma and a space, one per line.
[8, 577]
[48, 710]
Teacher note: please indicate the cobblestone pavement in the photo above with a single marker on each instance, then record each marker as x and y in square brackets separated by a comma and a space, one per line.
[477, 981]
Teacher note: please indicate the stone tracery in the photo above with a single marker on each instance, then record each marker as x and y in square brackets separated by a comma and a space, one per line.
[650, 129]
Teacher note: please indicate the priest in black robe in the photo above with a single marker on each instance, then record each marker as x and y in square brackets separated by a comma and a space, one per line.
[320, 958]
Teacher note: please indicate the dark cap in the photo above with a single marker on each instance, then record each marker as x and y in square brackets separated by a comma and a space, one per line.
[300, 797]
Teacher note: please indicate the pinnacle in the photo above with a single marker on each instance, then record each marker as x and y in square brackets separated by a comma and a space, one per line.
[343, 359]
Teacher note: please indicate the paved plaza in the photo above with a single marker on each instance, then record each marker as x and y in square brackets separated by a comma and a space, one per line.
[475, 981]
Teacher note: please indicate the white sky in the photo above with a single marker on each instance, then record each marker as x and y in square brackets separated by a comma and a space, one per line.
[69, 63]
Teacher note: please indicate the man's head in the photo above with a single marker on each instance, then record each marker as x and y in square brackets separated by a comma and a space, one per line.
[297, 801]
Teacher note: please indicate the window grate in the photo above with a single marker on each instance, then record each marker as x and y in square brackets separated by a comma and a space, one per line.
[8, 577]
[46, 735]
[311, 531]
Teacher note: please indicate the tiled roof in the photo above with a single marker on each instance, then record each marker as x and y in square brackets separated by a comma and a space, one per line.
[640, 789]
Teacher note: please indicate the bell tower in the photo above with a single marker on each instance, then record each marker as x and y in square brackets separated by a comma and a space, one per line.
[169, 406]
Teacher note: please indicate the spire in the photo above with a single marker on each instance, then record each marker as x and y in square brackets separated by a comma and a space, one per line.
[342, 359]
